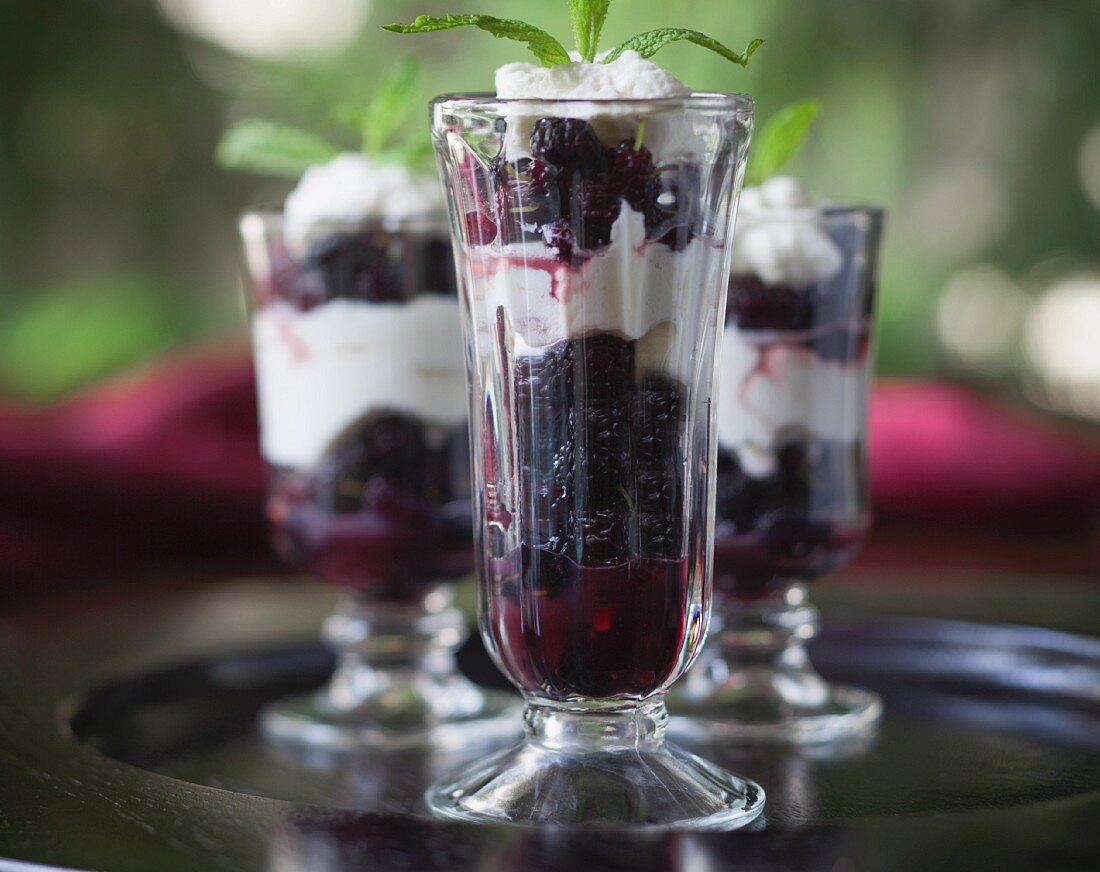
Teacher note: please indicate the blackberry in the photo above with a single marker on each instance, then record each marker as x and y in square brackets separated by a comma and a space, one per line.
[793, 536]
[794, 475]
[349, 265]
[567, 142]
[633, 176]
[754, 305]
[439, 268]
[599, 206]
[392, 449]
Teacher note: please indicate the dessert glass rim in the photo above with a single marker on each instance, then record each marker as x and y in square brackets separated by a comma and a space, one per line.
[825, 211]
[742, 103]
[271, 218]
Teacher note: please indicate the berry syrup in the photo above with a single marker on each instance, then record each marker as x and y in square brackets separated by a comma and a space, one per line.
[385, 511]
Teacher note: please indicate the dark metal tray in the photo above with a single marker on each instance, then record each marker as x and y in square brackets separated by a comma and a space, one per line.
[129, 743]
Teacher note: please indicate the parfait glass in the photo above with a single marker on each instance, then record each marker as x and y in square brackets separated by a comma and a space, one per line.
[792, 492]
[592, 242]
[358, 358]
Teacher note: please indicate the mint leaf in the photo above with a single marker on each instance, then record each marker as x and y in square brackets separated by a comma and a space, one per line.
[273, 149]
[417, 154]
[780, 139]
[547, 49]
[392, 104]
[588, 18]
[649, 43]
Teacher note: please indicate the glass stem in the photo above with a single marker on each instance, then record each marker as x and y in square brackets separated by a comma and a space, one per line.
[634, 726]
[757, 650]
[386, 651]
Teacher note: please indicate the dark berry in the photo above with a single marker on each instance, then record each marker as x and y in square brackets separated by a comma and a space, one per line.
[633, 176]
[391, 449]
[567, 142]
[353, 266]
[438, 268]
[599, 208]
[791, 535]
[754, 305]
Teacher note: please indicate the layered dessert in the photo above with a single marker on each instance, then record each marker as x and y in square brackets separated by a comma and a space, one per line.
[362, 396]
[587, 235]
[791, 490]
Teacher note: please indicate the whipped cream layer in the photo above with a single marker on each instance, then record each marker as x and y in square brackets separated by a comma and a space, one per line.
[322, 370]
[768, 384]
[779, 237]
[628, 288]
[630, 77]
[352, 188]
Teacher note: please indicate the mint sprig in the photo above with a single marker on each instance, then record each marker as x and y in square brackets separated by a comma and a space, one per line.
[780, 139]
[264, 147]
[587, 17]
[547, 49]
[649, 43]
[268, 148]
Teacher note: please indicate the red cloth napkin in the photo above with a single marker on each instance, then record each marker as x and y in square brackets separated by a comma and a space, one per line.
[942, 453]
[162, 467]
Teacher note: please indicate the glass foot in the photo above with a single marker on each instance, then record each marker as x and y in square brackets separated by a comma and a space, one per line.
[754, 683]
[403, 721]
[396, 685]
[597, 769]
[771, 718]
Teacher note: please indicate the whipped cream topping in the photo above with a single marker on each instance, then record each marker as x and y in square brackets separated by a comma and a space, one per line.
[779, 236]
[629, 77]
[322, 370]
[354, 187]
[767, 385]
[628, 288]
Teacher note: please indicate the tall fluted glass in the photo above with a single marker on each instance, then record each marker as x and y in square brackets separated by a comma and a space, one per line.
[363, 426]
[792, 475]
[592, 241]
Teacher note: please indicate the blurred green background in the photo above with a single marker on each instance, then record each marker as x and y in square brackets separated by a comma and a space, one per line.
[975, 122]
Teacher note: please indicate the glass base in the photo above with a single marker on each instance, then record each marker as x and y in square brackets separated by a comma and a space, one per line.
[769, 717]
[754, 683]
[396, 685]
[597, 769]
[400, 723]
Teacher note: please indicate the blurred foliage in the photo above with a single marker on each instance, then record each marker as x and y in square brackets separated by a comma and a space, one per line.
[63, 337]
[963, 118]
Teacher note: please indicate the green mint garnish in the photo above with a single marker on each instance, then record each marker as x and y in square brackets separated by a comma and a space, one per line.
[268, 148]
[390, 107]
[649, 43]
[547, 49]
[780, 139]
[588, 18]
[271, 149]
